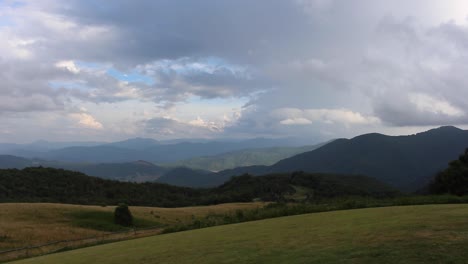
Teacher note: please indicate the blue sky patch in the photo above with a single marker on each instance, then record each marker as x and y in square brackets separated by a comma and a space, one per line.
[134, 77]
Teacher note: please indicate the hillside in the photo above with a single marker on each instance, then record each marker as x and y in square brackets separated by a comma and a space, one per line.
[56, 185]
[452, 180]
[62, 186]
[241, 158]
[406, 162]
[186, 177]
[8, 162]
[377, 235]
[137, 171]
[24, 224]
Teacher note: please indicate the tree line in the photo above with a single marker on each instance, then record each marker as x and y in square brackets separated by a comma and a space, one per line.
[38, 184]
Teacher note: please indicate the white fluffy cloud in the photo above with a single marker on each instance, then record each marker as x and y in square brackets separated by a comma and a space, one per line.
[294, 116]
[296, 121]
[87, 121]
[68, 65]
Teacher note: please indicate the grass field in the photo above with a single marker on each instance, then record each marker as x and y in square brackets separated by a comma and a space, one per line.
[26, 224]
[406, 234]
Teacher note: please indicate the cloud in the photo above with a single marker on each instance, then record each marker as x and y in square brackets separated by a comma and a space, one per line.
[426, 103]
[315, 8]
[296, 121]
[87, 121]
[303, 67]
[167, 127]
[294, 116]
[35, 102]
[311, 124]
[415, 75]
[210, 78]
[68, 65]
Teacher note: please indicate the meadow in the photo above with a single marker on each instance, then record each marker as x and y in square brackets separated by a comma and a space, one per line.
[28, 224]
[399, 234]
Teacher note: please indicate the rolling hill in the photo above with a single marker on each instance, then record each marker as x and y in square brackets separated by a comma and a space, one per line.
[24, 224]
[405, 162]
[137, 171]
[56, 185]
[241, 158]
[408, 234]
[8, 162]
[187, 177]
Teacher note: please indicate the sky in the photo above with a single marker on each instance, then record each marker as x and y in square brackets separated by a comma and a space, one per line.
[82, 70]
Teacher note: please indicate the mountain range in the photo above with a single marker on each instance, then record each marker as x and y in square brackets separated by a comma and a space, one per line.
[136, 171]
[407, 163]
[242, 158]
[142, 171]
[138, 149]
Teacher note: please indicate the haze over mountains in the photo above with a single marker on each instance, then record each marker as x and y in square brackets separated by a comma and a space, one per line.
[137, 149]
[128, 160]
[245, 157]
[405, 162]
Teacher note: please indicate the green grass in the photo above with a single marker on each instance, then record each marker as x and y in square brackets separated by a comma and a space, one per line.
[402, 234]
[104, 221]
[30, 224]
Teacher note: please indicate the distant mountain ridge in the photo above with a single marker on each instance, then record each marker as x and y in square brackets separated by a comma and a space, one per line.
[245, 157]
[135, 143]
[143, 149]
[405, 162]
[137, 171]
[41, 146]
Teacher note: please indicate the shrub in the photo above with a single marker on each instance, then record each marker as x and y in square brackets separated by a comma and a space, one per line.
[123, 216]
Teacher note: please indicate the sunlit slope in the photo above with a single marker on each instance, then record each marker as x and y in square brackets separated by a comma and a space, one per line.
[410, 234]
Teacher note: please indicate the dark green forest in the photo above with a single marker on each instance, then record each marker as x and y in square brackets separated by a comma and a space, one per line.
[38, 184]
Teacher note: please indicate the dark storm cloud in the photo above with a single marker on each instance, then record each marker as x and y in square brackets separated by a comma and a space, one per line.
[241, 31]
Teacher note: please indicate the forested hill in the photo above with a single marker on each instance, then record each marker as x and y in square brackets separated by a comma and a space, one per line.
[56, 185]
[406, 162]
[245, 157]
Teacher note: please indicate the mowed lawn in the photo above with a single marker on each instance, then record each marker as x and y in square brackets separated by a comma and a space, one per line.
[408, 234]
[26, 224]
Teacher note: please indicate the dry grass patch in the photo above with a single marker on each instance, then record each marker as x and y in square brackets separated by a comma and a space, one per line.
[26, 224]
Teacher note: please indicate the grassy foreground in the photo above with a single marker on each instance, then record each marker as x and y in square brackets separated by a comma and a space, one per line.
[26, 224]
[405, 234]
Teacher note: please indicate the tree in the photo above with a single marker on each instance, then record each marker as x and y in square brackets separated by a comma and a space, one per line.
[123, 216]
[454, 179]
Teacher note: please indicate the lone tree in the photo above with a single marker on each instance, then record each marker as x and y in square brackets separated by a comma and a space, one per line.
[123, 216]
